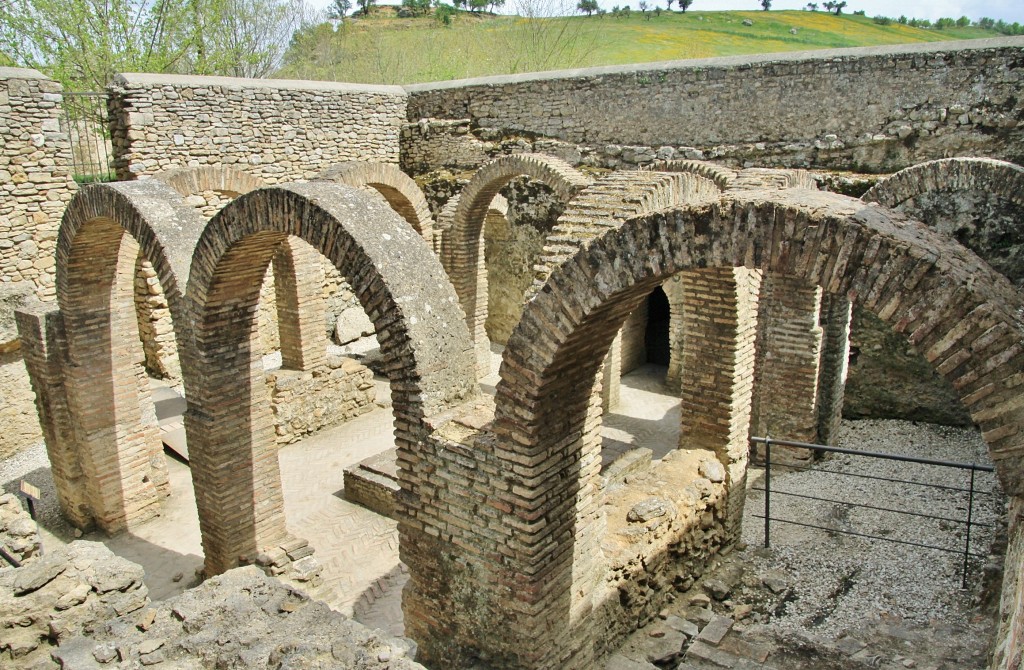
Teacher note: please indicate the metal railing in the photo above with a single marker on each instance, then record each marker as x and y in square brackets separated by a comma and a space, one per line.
[971, 491]
[85, 122]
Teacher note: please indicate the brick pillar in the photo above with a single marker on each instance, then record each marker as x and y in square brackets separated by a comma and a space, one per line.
[44, 348]
[719, 325]
[299, 285]
[835, 358]
[120, 451]
[477, 321]
[504, 550]
[788, 361]
[676, 339]
[611, 375]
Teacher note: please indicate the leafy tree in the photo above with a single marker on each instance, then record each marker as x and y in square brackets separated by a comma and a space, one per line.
[588, 6]
[444, 14]
[83, 43]
[668, 4]
[417, 7]
[963, 22]
[365, 6]
[339, 8]
[812, 7]
[684, 5]
[766, 5]
[643, 7]
[834, 6]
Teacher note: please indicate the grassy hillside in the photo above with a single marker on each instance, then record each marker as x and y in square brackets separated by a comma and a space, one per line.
[385, 49]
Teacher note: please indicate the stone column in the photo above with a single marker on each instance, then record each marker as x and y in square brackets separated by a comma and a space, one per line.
[299, 285]
[788, 361]
[719, 325]
[835, 360]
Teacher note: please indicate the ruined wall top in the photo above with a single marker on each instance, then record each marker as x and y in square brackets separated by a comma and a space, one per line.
[817, 55]
[20, 73]
[139, 79]
[875, 109]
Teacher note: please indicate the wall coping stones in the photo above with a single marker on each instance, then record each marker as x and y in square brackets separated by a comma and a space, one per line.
[136, 79]
[21, 73]
[728, 62]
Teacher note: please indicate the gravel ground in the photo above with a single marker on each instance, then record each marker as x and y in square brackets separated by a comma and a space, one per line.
[839, 580]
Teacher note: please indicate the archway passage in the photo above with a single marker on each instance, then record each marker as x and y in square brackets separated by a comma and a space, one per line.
[656, 336]
[85, 359]
[461, 241]
[420, 330]
[943, 298]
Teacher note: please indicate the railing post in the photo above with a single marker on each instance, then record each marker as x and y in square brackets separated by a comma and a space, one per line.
[970, 516]
[767, 488]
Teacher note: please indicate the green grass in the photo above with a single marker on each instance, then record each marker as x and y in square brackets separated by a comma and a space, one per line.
[389, 50]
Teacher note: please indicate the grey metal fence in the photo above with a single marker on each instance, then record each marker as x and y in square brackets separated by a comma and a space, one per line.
[85, 122]
[969, 493]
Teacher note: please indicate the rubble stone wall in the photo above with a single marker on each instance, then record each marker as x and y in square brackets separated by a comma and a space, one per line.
[877, 109]
[35, 186]
[274, 129]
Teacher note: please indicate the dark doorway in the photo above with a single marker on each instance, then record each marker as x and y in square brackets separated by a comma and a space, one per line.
[658, 320]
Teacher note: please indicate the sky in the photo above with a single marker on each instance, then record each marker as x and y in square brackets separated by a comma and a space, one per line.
[1007, 10]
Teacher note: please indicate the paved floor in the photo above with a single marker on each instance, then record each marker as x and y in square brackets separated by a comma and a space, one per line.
[357, 548]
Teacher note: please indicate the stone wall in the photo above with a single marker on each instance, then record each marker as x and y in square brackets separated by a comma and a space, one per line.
[35, 180]
[304, 402]
[877, 109]
[35, 185]
[274, 129]
[663, 529]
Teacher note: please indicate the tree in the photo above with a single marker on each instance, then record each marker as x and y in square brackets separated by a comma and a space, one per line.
[338, 9]
[684, 5]
[766, 5]
[832, 5]
[643, 7]
[417, 7]
[588, 6]
[812, 7]
[668, 4]
[83, 43]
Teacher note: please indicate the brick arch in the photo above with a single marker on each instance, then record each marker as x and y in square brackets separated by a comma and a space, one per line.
[219, 178]
[118, 452]
[722, 176]
[1000, 178]
[462, 223]
[419, 327]
[964, 316]
[399, 189]
[607, 202]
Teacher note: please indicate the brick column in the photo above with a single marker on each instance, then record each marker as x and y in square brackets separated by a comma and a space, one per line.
[611, 375]
[120, 451]
[44, 348]
[835, 358]
[719, 325]
[788, 361]
[298, 285]
[676, 339]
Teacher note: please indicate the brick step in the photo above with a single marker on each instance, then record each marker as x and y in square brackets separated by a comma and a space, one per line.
[373, 483]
